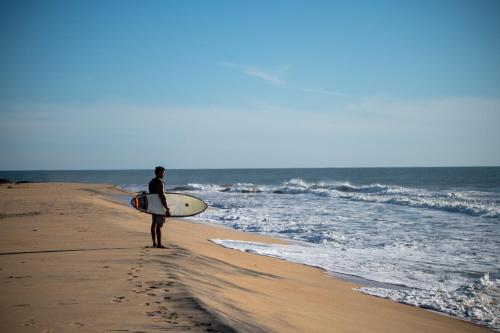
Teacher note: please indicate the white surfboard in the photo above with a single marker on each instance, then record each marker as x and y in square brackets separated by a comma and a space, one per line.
[180, 205]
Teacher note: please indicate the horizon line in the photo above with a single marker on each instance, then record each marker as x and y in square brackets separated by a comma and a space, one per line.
[263, 168]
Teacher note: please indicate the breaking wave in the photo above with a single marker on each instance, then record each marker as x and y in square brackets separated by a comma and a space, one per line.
[465, 202]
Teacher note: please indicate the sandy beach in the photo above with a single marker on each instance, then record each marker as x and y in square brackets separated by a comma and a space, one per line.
[73, 258]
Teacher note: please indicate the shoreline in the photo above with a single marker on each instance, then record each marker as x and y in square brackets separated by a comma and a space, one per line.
[358, 280]
[193, 285]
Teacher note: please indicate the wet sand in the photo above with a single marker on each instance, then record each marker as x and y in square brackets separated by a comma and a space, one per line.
[74, 259]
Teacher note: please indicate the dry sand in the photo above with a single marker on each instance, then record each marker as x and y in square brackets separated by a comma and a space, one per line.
[73, 259]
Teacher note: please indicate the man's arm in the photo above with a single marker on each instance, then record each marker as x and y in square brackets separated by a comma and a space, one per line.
[161, 193]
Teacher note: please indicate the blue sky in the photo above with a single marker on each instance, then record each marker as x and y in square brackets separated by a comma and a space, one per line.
[232, 84]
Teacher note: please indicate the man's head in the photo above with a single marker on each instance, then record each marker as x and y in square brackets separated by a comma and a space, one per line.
[160, 171]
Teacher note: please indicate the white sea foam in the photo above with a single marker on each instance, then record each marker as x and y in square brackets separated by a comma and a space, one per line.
[198, 187]
[134, 187]
[476, 301]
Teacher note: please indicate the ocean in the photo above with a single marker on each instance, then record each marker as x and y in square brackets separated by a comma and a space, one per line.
[428, 237]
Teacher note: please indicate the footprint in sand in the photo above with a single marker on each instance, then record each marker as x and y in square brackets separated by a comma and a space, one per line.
[153, 313]
[77, 324]
[119, 299]
[19, 277]
[138, 291]
[30, 323]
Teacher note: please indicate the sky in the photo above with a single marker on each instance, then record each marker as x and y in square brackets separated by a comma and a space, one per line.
[249, 84]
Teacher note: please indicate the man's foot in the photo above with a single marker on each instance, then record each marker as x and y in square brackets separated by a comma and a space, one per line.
[161, 246]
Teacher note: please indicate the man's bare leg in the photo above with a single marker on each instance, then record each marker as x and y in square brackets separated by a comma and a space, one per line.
[153, 227]
[158, 236]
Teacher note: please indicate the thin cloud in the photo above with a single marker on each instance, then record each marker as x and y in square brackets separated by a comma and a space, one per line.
[273, 77]
[276, 78]
[320, 91]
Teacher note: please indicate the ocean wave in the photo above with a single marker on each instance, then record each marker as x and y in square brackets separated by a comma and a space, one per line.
[336, 186]
[455, 202]
[242, 188]
[469, 206]
[234, 188]
[375, 188]
[299, 186]
[463, 202]
[198, 187]
[476, 302]
[298, 190]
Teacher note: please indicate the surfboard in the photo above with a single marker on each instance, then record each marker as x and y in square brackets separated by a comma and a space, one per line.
[181, 205]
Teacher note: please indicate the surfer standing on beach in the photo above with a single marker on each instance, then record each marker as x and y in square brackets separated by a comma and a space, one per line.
[156, 186]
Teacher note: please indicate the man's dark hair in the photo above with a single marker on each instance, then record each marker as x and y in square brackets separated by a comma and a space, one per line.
[159, 169]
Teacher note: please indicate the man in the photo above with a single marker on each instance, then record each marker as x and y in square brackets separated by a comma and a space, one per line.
[157, 186]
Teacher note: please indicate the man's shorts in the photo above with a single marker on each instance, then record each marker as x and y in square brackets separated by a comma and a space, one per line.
[159, 220]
